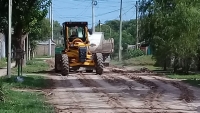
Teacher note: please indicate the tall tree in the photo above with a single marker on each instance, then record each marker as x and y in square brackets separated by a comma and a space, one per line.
[26, 14]
[172, 29]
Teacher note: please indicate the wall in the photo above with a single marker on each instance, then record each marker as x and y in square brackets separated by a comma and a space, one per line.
[43, 49]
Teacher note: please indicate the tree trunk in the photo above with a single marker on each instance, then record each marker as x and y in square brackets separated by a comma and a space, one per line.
[165, 65]
[19, 42]
[198, 65]
[175, 64]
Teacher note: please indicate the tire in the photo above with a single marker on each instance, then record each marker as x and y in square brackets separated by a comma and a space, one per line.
[99, 63]
[65, 65]
[89, 71]
[58, 58]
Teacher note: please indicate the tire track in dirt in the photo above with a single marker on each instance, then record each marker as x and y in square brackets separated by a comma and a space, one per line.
[186, 95]
[171, 96]
[182, 107]
[132, 90]
[152, 96]
[133, 86]
[115, 80]
[165, 103]
[161, 109]
[90, 100]
[62, 100]
[112, 100]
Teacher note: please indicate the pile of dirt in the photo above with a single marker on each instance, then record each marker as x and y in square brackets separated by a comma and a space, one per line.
[141, 70]
[150, 84]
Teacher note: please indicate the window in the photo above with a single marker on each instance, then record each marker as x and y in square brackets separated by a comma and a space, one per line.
[76, 32]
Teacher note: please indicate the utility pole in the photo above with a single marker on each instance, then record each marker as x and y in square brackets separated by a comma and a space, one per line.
[137, 40]
[94, 3]
[120, 34]
[9, 38]
[50, 27]
[27, 48]
[25, 58]
[52, 21]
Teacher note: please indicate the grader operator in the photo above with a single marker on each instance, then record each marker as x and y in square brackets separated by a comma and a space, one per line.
[76, 51]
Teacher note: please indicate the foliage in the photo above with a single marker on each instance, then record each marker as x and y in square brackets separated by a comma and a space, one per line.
[26, 17]
[172, 30]
[42, 32]
[128, 33]
[3, 62]
[131, 53]
[56, 30]
[34, 66]
[140, 61]
[144, 60]
[24, 101]
[1, 91]
[193, 80]
[30, 82]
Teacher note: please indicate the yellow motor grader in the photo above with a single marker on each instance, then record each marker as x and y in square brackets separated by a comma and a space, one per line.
[76, 51]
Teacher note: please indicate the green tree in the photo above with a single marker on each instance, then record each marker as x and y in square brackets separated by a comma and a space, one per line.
[128, 33]
[171, 28]
[40, 33]
[26, 14]
[56, 30]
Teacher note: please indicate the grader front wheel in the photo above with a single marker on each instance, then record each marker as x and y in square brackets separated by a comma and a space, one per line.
[65, 65]
[58, 58]
[99, 63]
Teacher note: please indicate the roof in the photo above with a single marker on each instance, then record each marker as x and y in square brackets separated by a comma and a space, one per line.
[75, 23]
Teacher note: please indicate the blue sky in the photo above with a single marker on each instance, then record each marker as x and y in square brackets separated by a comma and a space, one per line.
[81, 10]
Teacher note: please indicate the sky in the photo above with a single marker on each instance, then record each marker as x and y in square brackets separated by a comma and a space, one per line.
[81, 10]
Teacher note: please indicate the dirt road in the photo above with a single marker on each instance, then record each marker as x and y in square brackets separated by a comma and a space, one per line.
[121, 91]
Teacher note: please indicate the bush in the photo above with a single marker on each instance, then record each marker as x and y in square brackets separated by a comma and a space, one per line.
[131, 53]
[1, 91]
[33, 66]
[2, 62]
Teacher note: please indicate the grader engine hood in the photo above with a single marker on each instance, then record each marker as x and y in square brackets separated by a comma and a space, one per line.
[99, 45]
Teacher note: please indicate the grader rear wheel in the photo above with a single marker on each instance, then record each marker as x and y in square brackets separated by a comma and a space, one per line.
[65, 65]
[99, 63]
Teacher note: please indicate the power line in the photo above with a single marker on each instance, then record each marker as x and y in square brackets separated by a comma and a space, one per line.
[101, 14]
[86, 17]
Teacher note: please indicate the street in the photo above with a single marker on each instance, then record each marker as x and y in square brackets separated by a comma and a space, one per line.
[122, 91]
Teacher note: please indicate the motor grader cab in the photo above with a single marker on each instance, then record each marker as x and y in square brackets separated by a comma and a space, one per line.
[76, 51]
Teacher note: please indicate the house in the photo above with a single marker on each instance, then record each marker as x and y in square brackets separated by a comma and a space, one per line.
[42, 48]
[142, 46]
